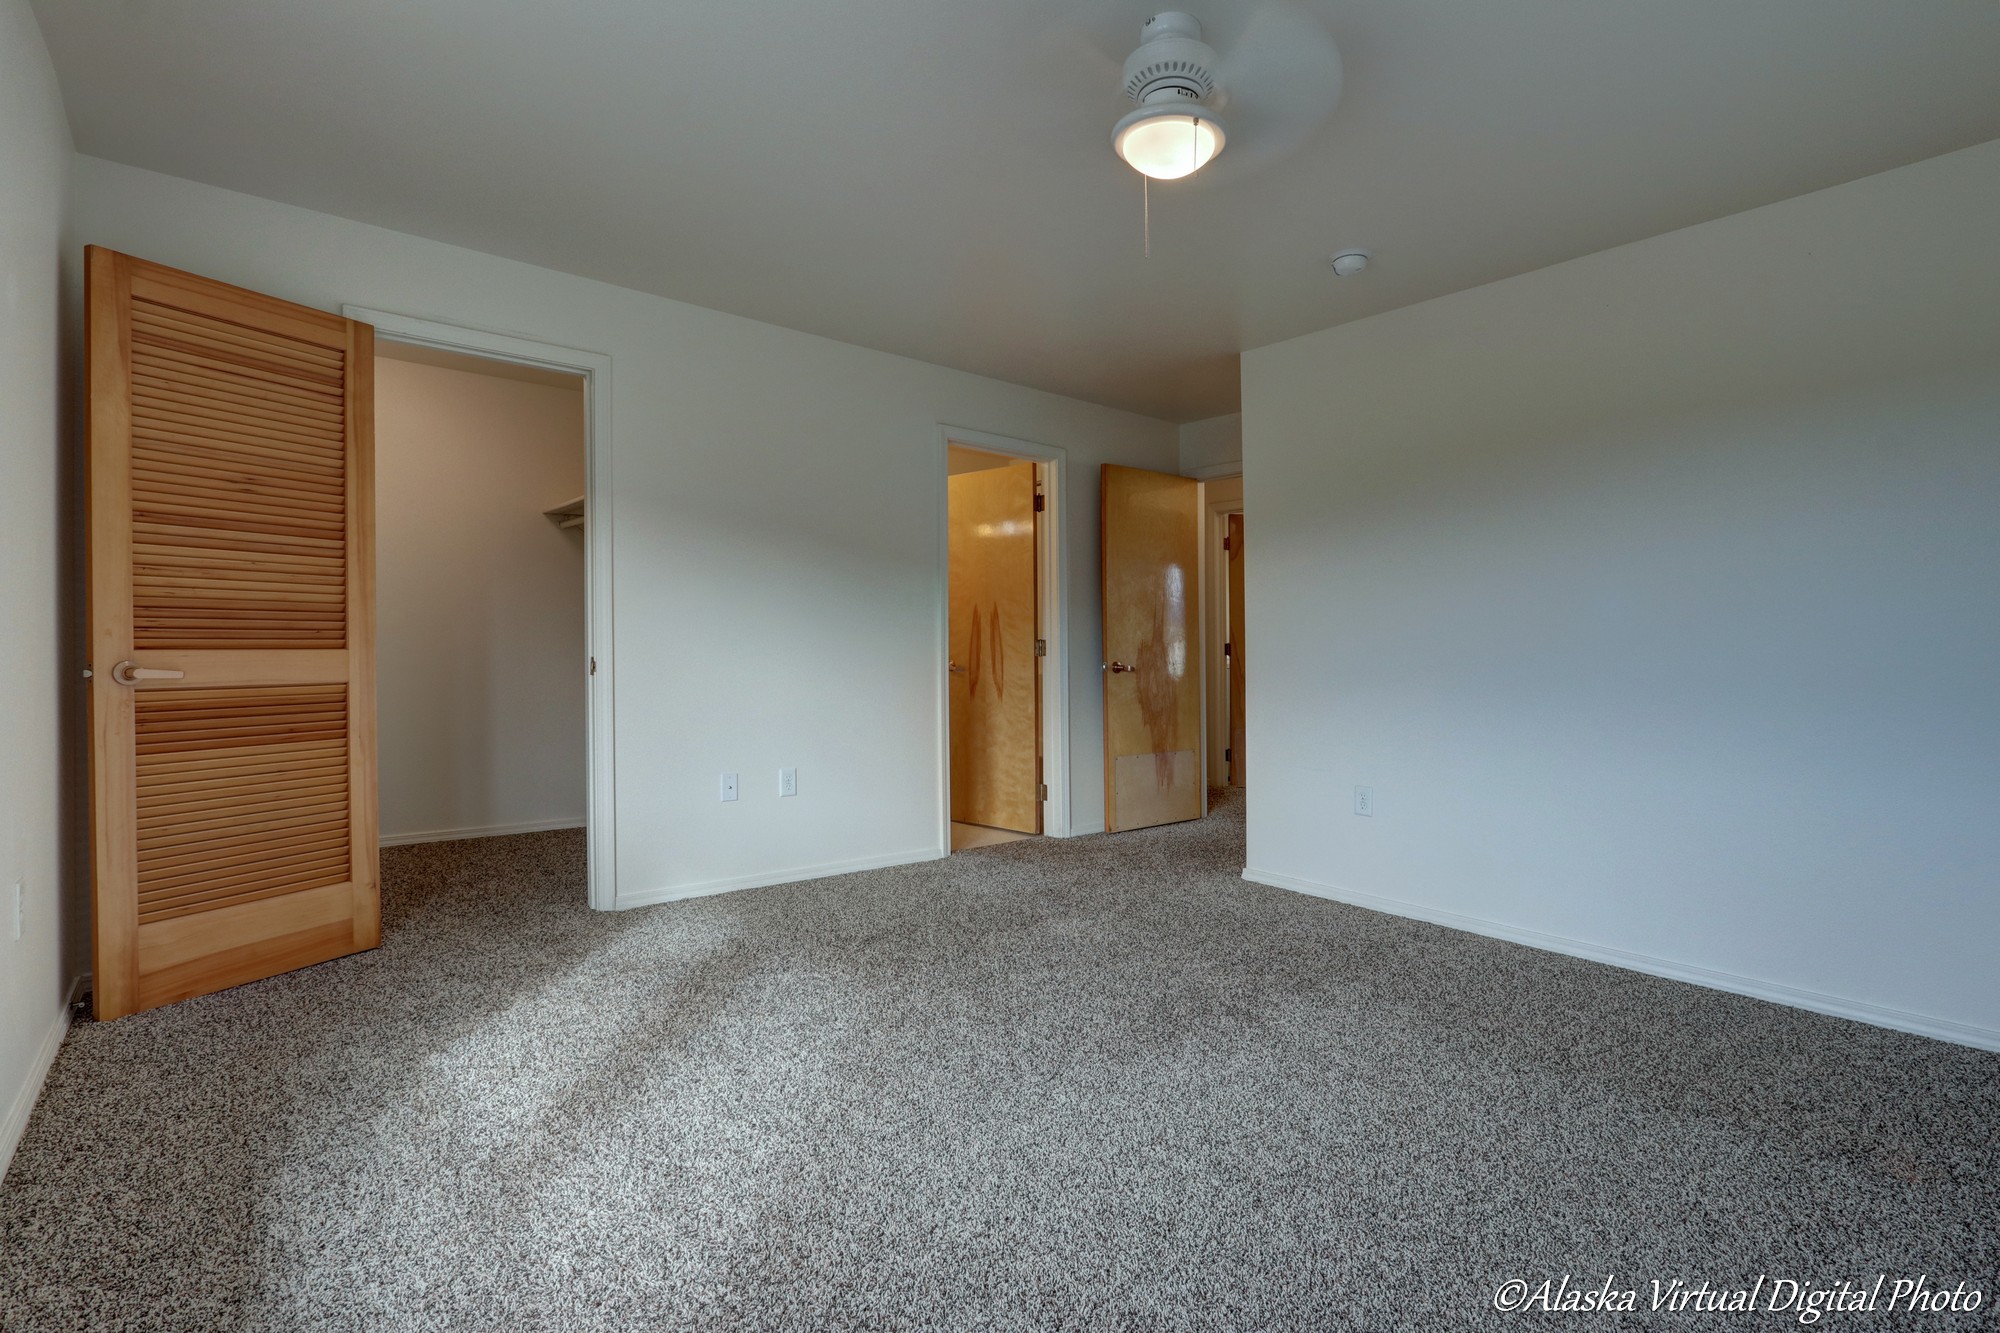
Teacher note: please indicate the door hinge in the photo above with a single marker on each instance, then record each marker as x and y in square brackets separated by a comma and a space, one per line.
[1041, 502]
[1225, 543]
[1228, 756]
[1041, 647]
[593, 666]
[1041, 791]
[1229, 650]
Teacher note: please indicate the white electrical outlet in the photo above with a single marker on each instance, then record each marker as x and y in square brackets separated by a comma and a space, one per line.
[1364, 800]
[788, 782]
[728, 787]
[19, 915]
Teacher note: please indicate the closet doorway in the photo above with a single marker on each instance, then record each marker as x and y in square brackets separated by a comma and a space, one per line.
[480, 654]
[1003, 701]
[493, 665]
[232, 567]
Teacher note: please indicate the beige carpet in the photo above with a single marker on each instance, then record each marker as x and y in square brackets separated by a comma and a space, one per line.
[1093, 1084]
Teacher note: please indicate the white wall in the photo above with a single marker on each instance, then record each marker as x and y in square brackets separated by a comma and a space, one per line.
[34, 171]
[480, 635]
[1657, 597]
[778, 520]
[1212, 448]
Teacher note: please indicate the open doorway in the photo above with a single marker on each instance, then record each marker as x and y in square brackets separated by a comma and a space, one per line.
[233, 549]
[1003, 704]
[482, 659]
[995, 666]
[494, 542]
[1227, 651]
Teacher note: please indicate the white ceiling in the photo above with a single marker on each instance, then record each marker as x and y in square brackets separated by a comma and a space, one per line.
[934, 177]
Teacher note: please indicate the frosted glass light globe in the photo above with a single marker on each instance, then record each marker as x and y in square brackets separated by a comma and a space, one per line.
[1168, 145]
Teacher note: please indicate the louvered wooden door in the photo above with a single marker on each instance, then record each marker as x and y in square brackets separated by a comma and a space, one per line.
[232, 635]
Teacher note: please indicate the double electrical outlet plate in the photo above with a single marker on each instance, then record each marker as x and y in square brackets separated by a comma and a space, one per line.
[788, 784]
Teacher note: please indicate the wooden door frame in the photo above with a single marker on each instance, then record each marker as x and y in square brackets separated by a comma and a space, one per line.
[600, 805]
[1051, 615]
[1215, 624]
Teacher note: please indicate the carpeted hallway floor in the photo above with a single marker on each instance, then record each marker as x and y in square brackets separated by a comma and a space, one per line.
[1097, 1084]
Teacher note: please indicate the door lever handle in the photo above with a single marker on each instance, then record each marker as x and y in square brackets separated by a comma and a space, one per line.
[1117, 667]
[127, 674]
[956, 669]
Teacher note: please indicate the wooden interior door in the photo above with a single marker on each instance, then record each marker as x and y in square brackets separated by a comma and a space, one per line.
[1151, 533]
[1235, 650]
[996, 723]
[232, 700]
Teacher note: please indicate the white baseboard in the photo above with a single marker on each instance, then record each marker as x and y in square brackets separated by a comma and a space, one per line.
[487, 831]
[705, 888]
[30, 1091]
[1940, 1029]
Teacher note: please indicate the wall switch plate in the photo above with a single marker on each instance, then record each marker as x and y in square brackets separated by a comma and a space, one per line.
[728, 787]
[1364, 800]
[788, 782]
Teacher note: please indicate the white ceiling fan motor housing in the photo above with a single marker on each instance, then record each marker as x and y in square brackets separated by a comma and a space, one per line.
[1172, 63]
[1170, 134]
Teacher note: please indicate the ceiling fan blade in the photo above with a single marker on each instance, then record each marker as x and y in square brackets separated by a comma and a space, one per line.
[1104, 30]
[1082, 57]
[1280, 81]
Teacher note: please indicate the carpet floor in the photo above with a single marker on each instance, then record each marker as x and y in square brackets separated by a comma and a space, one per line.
[1101, 1083]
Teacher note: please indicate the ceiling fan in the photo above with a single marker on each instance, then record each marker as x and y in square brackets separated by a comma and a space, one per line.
[1277, 77]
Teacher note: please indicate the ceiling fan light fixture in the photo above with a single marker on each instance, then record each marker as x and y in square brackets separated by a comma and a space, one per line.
[1168, 142]
[1172, 134]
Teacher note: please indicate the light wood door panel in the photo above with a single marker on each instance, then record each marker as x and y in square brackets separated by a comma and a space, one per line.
[1236, 654]
[231, 553]
[995, 684]
[1150, 527]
